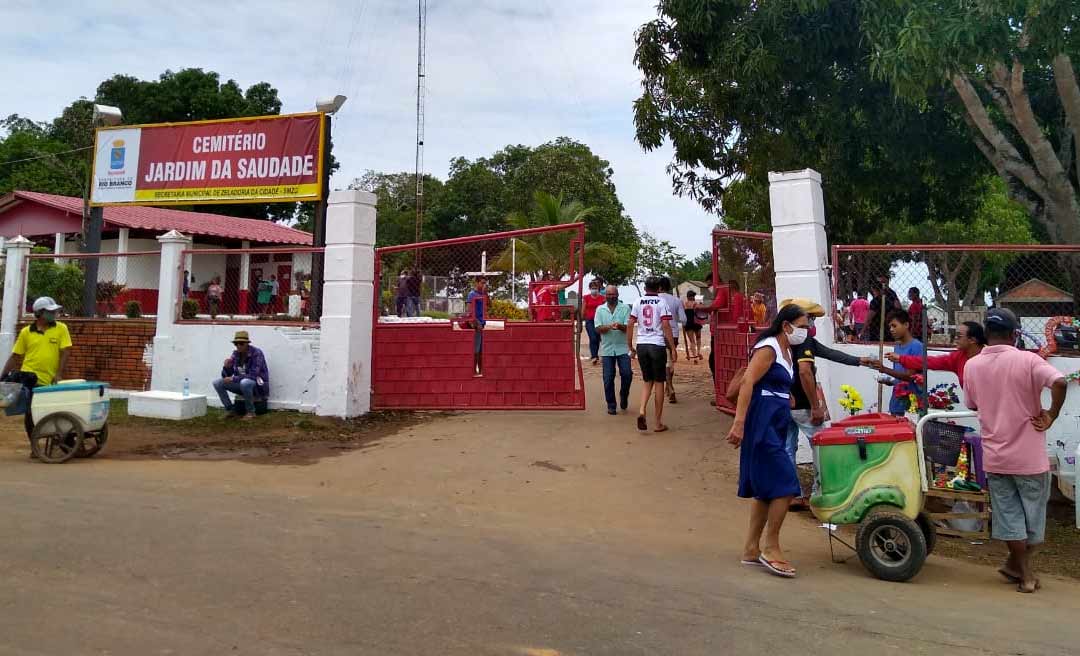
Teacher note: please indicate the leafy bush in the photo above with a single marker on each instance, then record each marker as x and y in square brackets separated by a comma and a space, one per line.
[62, 282]
[507, 311]
[435, 314]
[107, 292]
[133, 309]
[189, 309]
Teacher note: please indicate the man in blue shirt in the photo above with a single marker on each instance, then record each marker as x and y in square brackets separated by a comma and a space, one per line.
[477, 301]
[610, 321]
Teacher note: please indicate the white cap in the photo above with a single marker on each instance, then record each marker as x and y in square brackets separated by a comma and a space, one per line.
[45, 303]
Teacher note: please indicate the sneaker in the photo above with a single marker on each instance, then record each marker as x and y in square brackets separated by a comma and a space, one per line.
[248, 417]
[611, 411]
[623, 404]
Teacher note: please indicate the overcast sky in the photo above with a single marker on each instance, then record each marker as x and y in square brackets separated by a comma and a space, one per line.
[499, 72]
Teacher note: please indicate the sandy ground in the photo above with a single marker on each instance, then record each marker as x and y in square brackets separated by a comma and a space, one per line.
[488, 533]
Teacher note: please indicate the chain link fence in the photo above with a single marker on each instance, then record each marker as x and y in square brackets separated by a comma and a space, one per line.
[259, 285]
[943, 286]
[530, 275]
[126, 284]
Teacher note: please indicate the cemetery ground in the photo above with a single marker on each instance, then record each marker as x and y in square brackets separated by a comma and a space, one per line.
[538, 533]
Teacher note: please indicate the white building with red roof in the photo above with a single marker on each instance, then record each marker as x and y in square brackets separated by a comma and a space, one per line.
[56, 222]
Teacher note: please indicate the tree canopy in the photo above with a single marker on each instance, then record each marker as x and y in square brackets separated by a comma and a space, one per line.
[740, 89]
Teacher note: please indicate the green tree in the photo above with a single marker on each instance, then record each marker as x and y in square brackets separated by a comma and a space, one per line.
[396, 204]
[697, 268]
[743, 88]
[1011, 65]
[656, 258]
[480, 194]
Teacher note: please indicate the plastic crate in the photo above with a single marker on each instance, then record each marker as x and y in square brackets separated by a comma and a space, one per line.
[941, 442]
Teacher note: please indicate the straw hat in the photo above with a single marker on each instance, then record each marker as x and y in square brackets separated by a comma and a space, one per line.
[241, 337]
[811, 308]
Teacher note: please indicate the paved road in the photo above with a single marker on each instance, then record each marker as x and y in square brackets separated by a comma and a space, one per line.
[454, 538]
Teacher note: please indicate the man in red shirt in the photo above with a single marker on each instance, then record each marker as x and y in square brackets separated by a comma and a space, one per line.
[589, 304]
[917, 313]
[970, 340]
[720, 303]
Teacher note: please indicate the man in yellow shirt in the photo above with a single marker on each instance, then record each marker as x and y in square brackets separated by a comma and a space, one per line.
[40, 352]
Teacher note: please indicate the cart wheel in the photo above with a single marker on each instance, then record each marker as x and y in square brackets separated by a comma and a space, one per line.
[890, 545]
[93, 442]
[929, 532]
[57, 438]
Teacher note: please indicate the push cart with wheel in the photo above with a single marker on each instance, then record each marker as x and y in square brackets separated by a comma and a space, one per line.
[71, 420]
[872, 474]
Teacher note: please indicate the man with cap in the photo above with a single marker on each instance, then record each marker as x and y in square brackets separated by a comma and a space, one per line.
[245, 373]
[1004, 385]
[808, 407]
[40, 353]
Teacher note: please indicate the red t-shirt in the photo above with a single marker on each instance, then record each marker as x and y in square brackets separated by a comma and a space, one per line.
[592, 301]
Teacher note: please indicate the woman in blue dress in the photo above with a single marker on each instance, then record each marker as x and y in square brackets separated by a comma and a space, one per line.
[762, 415]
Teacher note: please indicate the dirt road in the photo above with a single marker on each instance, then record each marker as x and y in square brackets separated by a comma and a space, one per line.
[524, 533]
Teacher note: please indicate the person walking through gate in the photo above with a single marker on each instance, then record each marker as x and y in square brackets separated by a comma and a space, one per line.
[650, 323]
[762, 417]
[591, 303]
[611, 323]
[1004, 385]
[675, 308]
[477, 302]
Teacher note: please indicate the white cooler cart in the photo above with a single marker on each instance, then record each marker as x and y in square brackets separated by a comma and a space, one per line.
[71, 419]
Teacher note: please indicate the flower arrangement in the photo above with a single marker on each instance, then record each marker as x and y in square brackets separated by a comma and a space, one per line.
[851, 400]
[943, 396]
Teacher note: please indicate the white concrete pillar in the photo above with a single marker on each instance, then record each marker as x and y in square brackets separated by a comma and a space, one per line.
[801, 249]
[15, 252]
[58, 248]
[122, 262]
[170, 271]
[245, 279]
[348, 304]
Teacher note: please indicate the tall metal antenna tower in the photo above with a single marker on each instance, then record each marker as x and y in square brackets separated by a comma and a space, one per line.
[421, 74]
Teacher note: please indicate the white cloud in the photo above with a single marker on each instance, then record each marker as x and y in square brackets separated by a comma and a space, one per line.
[498, 73]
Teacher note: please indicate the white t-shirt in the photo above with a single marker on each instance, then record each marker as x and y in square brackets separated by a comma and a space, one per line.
[676, 309]
[650, 312]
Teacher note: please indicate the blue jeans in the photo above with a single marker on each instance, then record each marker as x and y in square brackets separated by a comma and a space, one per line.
[245, 388]
[594, 338]
[625, 374]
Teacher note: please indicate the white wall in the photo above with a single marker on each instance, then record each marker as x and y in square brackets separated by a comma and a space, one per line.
[197, 351]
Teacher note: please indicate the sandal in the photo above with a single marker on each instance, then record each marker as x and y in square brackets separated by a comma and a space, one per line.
[642, 425]
[660, 429]
[781, 568]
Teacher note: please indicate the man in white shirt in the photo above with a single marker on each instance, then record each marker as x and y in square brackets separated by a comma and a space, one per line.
[675, 306]
[649, 330]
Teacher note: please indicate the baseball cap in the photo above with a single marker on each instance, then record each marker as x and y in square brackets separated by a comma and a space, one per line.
[1003, 318]
[45, 303]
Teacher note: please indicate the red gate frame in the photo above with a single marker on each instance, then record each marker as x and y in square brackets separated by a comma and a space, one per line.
[577, 275]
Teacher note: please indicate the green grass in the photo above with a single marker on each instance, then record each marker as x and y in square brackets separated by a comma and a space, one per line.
[215, 422]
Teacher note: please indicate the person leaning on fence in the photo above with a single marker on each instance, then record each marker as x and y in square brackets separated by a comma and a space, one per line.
[41, 351]
[1004, 385]
[244, 373]
[213, 296]
[611, 323]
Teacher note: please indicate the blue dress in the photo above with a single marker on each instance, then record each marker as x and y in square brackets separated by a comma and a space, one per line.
[766, 471]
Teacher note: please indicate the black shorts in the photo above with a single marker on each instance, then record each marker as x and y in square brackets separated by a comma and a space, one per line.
[653, 362]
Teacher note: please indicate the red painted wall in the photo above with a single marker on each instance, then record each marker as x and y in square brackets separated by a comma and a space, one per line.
[526, 366]
[731, 350]
[32, 220]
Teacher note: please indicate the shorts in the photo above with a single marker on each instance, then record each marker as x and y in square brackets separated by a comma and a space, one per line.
[478, 341]
[1018, 504]
[653, 362]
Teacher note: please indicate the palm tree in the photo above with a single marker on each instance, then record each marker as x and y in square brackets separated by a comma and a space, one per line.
[546, 256]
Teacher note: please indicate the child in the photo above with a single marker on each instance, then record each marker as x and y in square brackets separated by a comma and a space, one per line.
[903, 385]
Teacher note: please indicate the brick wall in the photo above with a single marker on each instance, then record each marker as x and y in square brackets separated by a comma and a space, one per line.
[110, 350]
[526, 366]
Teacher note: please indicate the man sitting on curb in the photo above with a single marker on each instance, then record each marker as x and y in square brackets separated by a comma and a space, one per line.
[245, 373]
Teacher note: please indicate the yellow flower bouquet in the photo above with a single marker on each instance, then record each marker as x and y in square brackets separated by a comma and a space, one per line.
[851, 400]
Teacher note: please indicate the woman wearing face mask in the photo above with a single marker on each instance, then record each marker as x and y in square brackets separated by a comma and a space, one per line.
[762, 415]
[594, 300]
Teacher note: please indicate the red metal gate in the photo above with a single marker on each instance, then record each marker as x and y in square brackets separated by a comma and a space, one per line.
[742, 262]
[422, 357]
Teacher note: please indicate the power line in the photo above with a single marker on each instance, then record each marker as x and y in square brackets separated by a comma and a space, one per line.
[30, 159]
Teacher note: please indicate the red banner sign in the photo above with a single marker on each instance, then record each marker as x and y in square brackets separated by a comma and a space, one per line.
[251, 160]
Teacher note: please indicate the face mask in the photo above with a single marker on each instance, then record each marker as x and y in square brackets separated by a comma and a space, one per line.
[49, 316]
[594, 292]
[797, 336]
